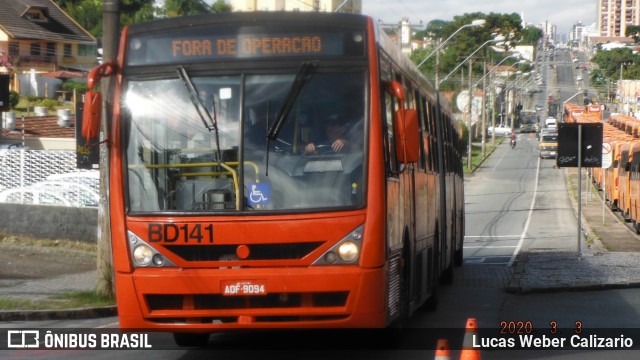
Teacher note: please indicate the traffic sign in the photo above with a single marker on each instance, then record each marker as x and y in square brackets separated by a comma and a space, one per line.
[607, 155]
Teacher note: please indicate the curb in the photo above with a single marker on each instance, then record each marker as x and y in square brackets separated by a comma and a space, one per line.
[514, 284]
[79, 313]
[578, 288]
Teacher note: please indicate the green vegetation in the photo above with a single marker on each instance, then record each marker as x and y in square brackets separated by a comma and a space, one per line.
[469, 39]
[14, 99]
[70, 300]
[69, 249]
[476, 154]
[31, 241]
[88, 13]
[26, 104]
[79, 87]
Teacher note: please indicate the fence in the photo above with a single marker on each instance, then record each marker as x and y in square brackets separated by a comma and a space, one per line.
[35, 177]
[46, 177]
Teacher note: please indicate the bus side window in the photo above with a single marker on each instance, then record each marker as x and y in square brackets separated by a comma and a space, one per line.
[390, 141]
[433, 136]
[422, 115]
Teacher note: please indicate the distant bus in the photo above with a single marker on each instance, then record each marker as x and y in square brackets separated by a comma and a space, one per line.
[220, 217]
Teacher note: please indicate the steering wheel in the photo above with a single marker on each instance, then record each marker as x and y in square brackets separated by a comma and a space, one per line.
[323, 149]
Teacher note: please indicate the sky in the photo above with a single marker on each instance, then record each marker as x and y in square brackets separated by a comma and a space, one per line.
[563, 13]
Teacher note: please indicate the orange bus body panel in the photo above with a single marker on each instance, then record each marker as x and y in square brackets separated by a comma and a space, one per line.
[364, 306]
[298, 293]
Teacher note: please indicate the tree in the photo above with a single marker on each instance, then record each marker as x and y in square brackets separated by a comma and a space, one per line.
[468, 40]
[531, 35]
[134, 11]
[610, 62]
[634, 32]
[88, 13]
[221, 7]
[175, 8]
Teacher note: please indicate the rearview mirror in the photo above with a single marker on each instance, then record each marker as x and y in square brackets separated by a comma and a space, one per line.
[406, 128]
[92, 112]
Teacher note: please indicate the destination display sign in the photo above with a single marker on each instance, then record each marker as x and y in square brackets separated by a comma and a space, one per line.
[189, 48]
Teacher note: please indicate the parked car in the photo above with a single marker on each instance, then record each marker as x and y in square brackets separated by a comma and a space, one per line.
[500, 130]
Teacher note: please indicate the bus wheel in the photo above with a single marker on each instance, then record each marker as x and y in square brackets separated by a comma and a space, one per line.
[432, 302]
[191, 339]
[458, 257]
[447, 274]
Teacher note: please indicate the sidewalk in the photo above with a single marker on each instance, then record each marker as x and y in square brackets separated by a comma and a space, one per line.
[41, 289]
[611, 259]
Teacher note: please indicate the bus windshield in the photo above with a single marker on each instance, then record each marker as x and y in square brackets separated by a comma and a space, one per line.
[176, 163]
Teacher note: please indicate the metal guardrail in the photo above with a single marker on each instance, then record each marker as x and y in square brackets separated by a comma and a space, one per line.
[46, 177]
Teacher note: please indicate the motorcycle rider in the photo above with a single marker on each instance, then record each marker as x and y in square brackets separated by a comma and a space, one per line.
[513, 139]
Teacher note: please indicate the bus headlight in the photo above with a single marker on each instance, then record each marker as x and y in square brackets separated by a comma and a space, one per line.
[348, 251]
[142, 255]
[344, 252]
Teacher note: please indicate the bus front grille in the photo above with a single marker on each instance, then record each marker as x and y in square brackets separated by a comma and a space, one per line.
[294, 251]
[159, 302]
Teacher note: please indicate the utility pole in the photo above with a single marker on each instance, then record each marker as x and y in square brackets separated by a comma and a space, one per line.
[437, 81]
[469, 156]
[484, 110]
[111, 26]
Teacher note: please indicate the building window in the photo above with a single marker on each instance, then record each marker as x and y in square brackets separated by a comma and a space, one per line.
[68, 50]
[36, 15]
[14, 49]
[86, 50]
[35, 49]
[51, 49]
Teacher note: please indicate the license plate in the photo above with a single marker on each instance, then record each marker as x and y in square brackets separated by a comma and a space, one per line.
[243, 287]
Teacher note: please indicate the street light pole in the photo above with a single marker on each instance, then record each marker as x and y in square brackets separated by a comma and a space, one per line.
[498, 38]
[470, 136]
[478, 22]
[484, 110]
[516, 55]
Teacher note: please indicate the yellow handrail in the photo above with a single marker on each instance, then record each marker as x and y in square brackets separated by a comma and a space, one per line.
[227, 166]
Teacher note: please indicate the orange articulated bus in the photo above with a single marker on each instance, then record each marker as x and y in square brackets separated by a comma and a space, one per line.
[223, 217]
[623, 179]
[634, 184]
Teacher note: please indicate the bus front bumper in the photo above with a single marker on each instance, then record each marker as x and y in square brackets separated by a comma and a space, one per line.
[219, 299]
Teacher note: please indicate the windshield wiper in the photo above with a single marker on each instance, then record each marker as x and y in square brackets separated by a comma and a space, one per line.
[302, 78]
[202, 110]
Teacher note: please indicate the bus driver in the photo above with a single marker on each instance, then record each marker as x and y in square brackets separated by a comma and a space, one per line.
[335, 131]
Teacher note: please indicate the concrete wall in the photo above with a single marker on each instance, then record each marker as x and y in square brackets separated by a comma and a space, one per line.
[50, 222]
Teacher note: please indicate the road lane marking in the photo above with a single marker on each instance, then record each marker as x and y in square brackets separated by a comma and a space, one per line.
[526, 225]
[115, 324]
[489, 247]
[492, 236]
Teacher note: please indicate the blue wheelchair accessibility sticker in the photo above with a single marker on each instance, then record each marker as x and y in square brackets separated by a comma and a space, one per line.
[259, 194]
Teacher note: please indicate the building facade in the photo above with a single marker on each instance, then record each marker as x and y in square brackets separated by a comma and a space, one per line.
[351, 6]
[615, 15]
[36, 37]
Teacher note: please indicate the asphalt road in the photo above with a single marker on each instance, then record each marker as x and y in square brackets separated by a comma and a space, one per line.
[516, 201]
